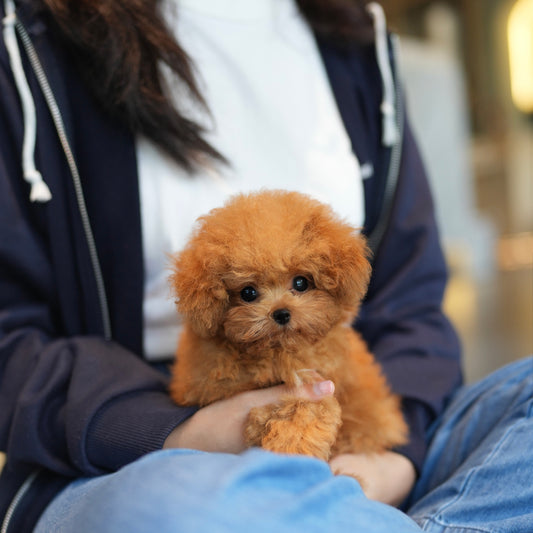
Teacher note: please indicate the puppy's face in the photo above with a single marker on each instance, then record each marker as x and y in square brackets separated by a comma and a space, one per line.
[283, 308]
[275, 268]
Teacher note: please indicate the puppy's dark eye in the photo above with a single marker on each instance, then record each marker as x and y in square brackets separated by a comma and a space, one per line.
[249, 294]
[300, 284]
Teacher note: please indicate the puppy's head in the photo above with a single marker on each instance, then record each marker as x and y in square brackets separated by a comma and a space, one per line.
[272, 267]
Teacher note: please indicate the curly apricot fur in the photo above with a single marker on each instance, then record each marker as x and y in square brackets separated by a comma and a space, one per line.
[229, 345]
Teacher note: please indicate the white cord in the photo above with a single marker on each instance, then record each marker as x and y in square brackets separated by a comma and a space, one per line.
[39, 190]
[388, 109]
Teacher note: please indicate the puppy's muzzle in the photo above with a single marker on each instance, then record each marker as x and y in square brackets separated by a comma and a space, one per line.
[281, 316]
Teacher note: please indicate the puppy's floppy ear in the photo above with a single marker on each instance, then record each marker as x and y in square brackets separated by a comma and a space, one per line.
[339, 256]
[201, 297]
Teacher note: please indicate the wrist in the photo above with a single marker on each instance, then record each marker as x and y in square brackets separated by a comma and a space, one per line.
[180, 436]
[386, 477]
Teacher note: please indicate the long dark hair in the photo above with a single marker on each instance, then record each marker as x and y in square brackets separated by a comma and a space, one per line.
[120, 44]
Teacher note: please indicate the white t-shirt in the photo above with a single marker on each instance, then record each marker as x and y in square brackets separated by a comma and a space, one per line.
[272, 115]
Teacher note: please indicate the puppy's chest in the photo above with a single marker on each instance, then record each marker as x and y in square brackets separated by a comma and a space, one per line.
[273, 367]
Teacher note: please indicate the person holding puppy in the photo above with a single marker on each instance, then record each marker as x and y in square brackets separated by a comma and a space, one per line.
[121, 122]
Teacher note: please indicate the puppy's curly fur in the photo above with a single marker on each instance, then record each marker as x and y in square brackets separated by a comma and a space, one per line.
[268, 286]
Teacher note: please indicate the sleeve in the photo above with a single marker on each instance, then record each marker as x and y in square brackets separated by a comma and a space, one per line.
[402, 318]
[76, 405]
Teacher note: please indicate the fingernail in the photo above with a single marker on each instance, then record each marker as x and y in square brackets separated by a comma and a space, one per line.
[324, 388]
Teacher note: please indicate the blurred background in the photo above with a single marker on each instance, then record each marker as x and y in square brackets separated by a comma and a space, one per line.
[467, 68]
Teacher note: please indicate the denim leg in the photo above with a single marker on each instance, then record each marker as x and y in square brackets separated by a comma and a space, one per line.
[185, 491]
[478, 475]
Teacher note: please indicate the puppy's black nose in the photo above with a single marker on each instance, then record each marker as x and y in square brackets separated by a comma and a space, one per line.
[281, 316]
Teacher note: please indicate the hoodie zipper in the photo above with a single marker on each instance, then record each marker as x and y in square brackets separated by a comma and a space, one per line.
[19, 496]
[60, 128]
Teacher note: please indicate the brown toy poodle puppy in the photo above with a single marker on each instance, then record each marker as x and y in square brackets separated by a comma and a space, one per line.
[268, 287]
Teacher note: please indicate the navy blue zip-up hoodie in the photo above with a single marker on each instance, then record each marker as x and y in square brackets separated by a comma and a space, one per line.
[73, 403]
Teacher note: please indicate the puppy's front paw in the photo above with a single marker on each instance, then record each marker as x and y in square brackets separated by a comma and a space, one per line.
[295, 426]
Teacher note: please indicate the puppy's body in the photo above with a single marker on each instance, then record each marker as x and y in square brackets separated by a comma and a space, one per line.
[268, 286]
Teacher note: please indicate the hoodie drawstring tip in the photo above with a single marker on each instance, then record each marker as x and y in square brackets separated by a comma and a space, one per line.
[40, 192]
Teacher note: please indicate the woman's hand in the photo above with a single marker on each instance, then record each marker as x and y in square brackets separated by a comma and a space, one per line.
[386, 477]
[219, 427]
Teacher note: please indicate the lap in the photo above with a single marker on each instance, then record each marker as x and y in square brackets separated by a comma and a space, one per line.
[186, 491]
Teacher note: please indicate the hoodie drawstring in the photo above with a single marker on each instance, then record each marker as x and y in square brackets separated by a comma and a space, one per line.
[390, 133]
[39, 190]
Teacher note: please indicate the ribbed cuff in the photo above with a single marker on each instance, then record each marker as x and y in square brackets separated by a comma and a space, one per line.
[130, 426]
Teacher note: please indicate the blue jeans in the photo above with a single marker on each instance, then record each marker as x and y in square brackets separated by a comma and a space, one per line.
[478, 477]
